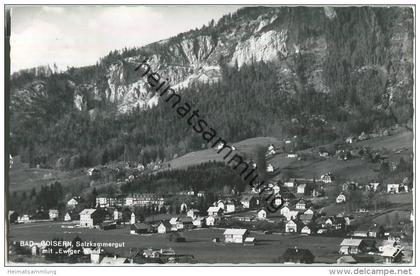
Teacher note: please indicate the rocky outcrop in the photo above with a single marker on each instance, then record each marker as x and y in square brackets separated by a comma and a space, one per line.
[301, 42]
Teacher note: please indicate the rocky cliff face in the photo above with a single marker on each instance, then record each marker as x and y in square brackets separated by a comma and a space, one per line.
[301, 42]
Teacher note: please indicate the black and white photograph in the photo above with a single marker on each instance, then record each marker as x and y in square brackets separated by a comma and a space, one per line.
[210, 135]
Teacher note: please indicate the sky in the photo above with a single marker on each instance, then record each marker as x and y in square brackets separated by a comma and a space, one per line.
[80, 35]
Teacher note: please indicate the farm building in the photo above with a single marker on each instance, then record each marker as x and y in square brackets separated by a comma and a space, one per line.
[235, 235]
[249, 241]
[140, 228]
[298, 256]
[351, 246]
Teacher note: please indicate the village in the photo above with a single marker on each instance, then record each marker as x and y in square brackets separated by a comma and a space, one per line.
[360, 235]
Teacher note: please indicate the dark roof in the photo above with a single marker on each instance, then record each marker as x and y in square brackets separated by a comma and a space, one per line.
[140, 226]
[303, 255]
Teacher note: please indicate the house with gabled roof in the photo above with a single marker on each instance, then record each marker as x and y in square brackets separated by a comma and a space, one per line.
[215, 211]
[235, 235]
[164, 227]
[301, 204]
[351, 246]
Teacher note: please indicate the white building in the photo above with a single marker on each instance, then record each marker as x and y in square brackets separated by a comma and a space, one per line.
[235, 235]
[230, 208]
[53, 214]
[67, 217]
[262, 214]
[210, 221]
[72, 203]
[214, 211]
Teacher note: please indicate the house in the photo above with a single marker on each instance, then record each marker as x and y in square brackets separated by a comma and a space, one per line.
[306, 230]
[291, 227]
[306, 218]
[183, 208]
[309, 211]
[351, 246]
[214, 211]
[373, 186]
[145, 199]
[114, 261]
[67, 217]
[193, 213]
[298, 256]
[105, 201]
[350, 140]
[301, 204]
[276, 189]
[164, 227]
[186, 222]
[292, 155]
[249, 241]
[383, 244]
[327, 178]
[248, 201]
[91, 217]
[108, 225]
[301, 189]
[12, 216]
[176, 224]
[117, 215]
[285, 211]
[271, 150]
[198, 222]
[235, 235]
[270, 168]
[72, 203]
[140, 228]
[210, 220]
[24, 219]
[53, 214]
[340, 198]
[290, 184]
[229, 208]
[262, 214]
[392, 255]
[201, 194]
[396, 188]
[220, 204]
[376, 231]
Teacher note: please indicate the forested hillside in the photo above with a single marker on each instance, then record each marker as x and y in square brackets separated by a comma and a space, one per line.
[319, 73]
